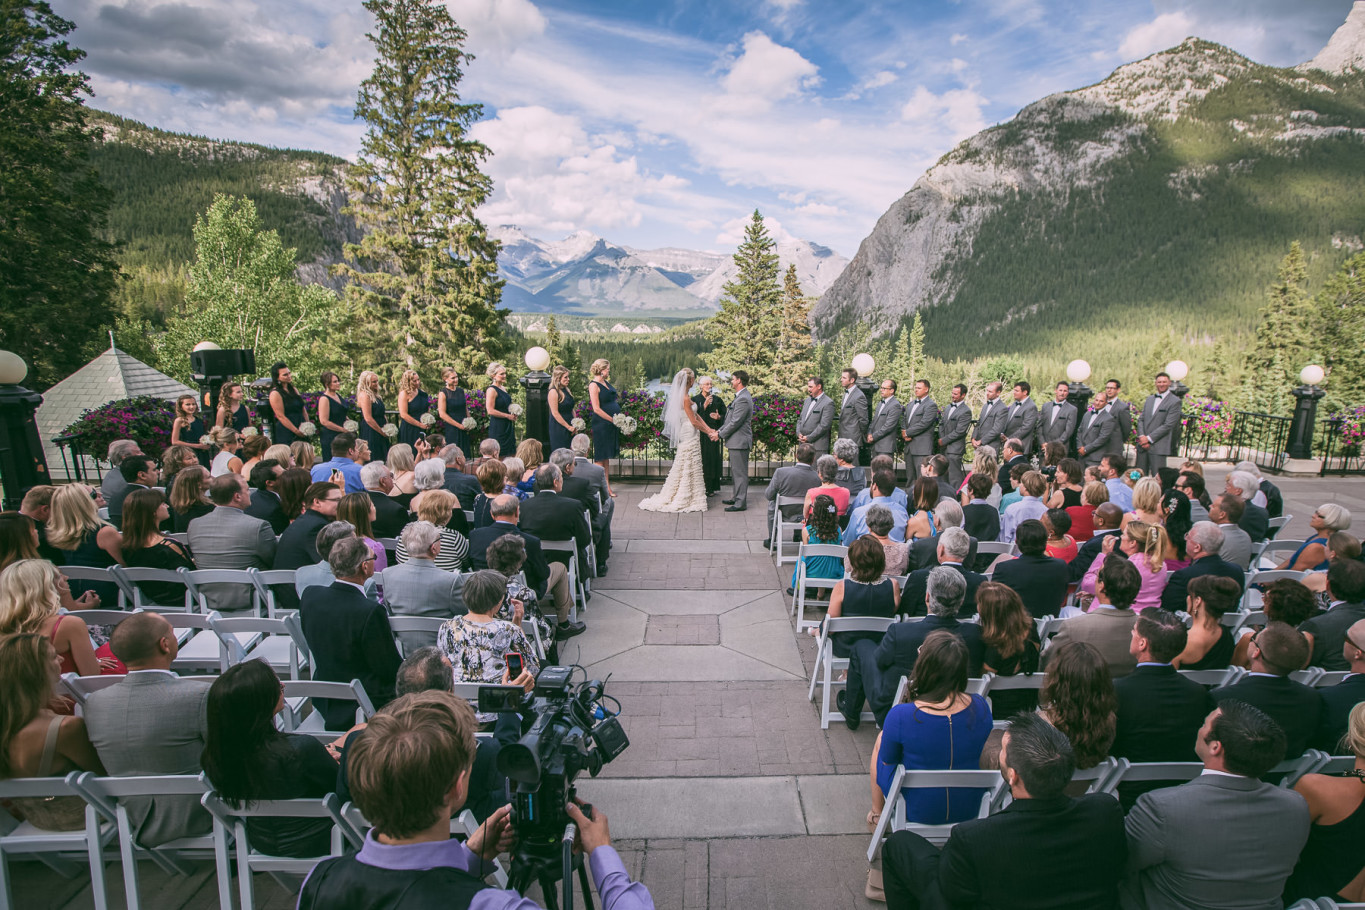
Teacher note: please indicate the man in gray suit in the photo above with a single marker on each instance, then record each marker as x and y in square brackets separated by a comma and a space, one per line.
[817, 416]
[738, 433]
[1225, 839]
[113, 481]
[1156, 427]
[1123, 416]
[991, 420]
[917, 430]
[1098, 431]
[596, 477]
[228, 538]
[853, 418]
[1021, 420]
[418, 587]
[952, 433]
[1225, 511]
[152, 722]
[1058, 419]
[792, 480]
[886, 420]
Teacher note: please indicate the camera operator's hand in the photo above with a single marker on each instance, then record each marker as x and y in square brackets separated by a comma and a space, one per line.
[592, 832]
[494, 836]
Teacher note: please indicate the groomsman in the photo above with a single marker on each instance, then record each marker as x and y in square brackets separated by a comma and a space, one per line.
[1058, 418]
[817, 416]
[1156, 426]
[952, 433]
[853, 418]
[992, 419]
[711, 410]
[1022, 418]
[1098, 431]
[738, 435]
[1123, 416]
[886, 420]
[918, 430]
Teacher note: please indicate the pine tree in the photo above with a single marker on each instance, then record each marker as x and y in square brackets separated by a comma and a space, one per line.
[908, 361]
[745, 332]
[1217, 376]
[1341, 320]
[1284, 336]
[424, 288]
[795, 358]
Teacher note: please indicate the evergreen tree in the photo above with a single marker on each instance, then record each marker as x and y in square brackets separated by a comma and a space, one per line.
[1217, 376]
[1284, 336]
[57, 272]
[745, 332]
[795, 358]
[424, 288]
[1341, 320]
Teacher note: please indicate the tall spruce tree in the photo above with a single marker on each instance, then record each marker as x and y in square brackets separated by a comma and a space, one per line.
[794, 360]
[1284, 336]
[1341, 330]
[746, 330]
[424, 287]
[909, 363]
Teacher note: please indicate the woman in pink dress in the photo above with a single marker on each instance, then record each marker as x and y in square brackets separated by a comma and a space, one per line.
[1145, 546]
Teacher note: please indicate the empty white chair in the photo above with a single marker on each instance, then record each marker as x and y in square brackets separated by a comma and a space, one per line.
[299, 693]
[26, 839]
[278, 642]
[893, 813]
[781, 529]
[264, 581]
[826, 663]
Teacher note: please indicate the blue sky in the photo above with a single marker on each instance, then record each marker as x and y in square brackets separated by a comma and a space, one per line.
[660, 122]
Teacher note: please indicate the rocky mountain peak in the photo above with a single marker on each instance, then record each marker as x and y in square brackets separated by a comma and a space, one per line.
[1167, 82]
[1345, 52]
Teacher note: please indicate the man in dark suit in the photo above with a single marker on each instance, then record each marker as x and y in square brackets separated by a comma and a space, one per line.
[551, 516]
[1202, 543]
[980, 519]
[1326, 632]
[139, 472]
[580, 490]
[1255, 520]
[884, 430]
[389, 516]
[1010, 456]
[921, 414]
[875, 669]
[465, 486]
[711, 410]
[952, 434]
[991, 419]
[1057, 421]
[348, 634]
[1338, 700]
[265, 502]
[924, 551]
[1010, 859]
[1108, 517]
[953, 551]
[791, 480]
[298, 544]
[1122, 413]
[1097, 430]
[1039, 580]
[543, 577]
[1275, 652]
[1156, 426]
[1021, 420]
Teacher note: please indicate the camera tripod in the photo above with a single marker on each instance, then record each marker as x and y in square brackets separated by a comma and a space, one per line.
[540, 863]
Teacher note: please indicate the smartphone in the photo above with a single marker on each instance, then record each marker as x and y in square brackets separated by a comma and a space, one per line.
[515, 665]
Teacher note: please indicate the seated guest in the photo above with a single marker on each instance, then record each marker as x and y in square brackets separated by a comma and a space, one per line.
[1109, 623]
[924, 550]
[401, 463]
[1013, 455]
[477, 642]
[1204, 844]
[1016, 478]
[1146, 502]
[140, 472]
[1112, 470]
[863, 592]
[550, 515]
[879, 523]
[1011, 645]
[174, 460]
[822, 528]
[1093, 495]
[1203, 544]
[152, 722]
[492, 477]
[247, 759]
[292, 486]
[507, 557]
[489, 449]
[515, 486]
[429, 478]
[935, 467]
[18, 538]
[532, 456]
[418, 586]
[35, 741]
[1010, 858]
[1226, 511]
[1255, 520]
[1106, 524]
[189, 497]
[1077, 697]
[465, 486]
[84, 538]
[357, 510]
[303, 456]
[980, 519]
[985, 464]
[924, 496]
[1326, 633]
[389, 516]
[1060, 544]
[145, 547]
[1210, 644]
[37, 505]
[1340, 545]
[546, 578]
[1029, 507]
[1338, 700]
[343, 462]
[1144, 546]
[281, 455]
[319, 574]
[827, 469]
[252, 451]
[266, 503]
[1040, 579]
[298, 544]
[883, 484]
[31, 602]
[1192, 485]
[1331, 863]
[1285, 600]
[437, 506]
[409, 777]
[581, 491]
[1175, 511]
[789, 480]
[879, 463]
[849, 476]
[1275, 652]
[954, 549]
[875, 669]
[1066, 487]
[113, 480]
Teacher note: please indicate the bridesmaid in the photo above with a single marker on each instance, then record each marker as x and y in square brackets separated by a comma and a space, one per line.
[287, 405]
[606, 439]
[187, 428]
[453, 409]
[413, 402]
[561, 409]
[232, 410]
[372, 416]
[502, 426]
[331, 413]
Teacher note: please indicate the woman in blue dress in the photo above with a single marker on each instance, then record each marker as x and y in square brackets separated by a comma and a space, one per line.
[286, 406]
[372, 417]
[412, 404]
[606, 438]
[232, 410]
[561, 409]
[453, 408]
[502, 423]
[1312, 555]
[331, 412]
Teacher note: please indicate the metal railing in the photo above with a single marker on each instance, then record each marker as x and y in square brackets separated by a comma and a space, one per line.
[1339, 457]
[1262, 439]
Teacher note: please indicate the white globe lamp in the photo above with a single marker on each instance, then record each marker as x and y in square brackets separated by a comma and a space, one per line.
[1077, 371]
[1178, 370]
[207, 346]
[864, 364]
[12, 368]
[537, 359]
[1311, 375]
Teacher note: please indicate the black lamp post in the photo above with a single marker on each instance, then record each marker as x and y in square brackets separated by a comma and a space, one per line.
[863, 365]
[1306, 399]
[537, 385]
[1079, 395]
[22, 462]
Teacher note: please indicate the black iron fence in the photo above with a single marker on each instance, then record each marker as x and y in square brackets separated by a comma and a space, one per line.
[1340, 442]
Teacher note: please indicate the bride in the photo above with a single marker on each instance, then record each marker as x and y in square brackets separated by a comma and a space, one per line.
[685, 488]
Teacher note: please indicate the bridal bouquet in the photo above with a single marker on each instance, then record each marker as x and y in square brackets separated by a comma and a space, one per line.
[250, 432]
[469, 424]
[514, 409]
[625, 424]
[351, 426]
[427, 420]
[206, 440]
[308, 428]
[579, 424]
[390, 431]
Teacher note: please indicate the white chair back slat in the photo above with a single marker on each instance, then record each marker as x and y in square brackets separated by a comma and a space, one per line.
[781, 529]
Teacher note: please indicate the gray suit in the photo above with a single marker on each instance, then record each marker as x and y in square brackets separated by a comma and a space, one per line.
[153, 723]
[1157, 422]
[1215, 842]
[1021, 420]
[737, 432]
[1123, 419]
[1059, 428]
[952, 438]
[817, 416]
[853, 417]
[597, 479]
[228, 538]
[1098, 431]
[418, 588]
[1236, 545]
[989, 425]
[1109, 630]
[886, 425]
[792, 480]
[918, 423]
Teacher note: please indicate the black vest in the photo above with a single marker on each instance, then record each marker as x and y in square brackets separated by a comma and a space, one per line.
[345, 883]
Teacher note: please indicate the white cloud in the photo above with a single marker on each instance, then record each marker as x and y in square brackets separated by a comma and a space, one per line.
[732, 231]
[497, 27]
[957, 39]
[769, 71]
[956, 112]
[1166, 30]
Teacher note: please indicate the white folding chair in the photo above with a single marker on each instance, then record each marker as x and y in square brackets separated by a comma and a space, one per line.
[1214, 679]
[199, 647]
[133, 578]
[593, 562]
[1095, 777]
[826, 663]
[469, 516]
[104, 576]
[1328, 678]
[1144, 772]
[893, 812]
[82, 687]
[994, 548]
[1246, 620]
[781, 529]
[299, 694]
[264, 581]
[1308, 676]
[196, 579]
[1270, 553]
[804, 583]
[424, 624]
[54, 848]
[579, 592]
[1275, 524]
[278, 642]
[976, 685]
[1018, 682]
[1048, 627]
[1295, 768]
[1251, 596]
[181, 538]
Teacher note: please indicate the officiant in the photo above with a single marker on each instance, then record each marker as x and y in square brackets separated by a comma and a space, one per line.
[712, 412]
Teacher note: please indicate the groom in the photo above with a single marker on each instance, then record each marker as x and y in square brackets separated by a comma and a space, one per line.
[739, 438]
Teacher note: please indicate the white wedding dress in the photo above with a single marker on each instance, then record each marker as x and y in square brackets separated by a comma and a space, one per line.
[685, 488]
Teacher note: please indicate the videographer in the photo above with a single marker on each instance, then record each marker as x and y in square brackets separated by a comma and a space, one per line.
[409, 774]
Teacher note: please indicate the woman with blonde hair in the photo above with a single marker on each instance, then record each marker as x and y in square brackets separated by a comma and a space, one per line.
[232, 410]
[84, 538]
[1093, 495]
[531, 455]
[413, 404]
[226, 461]
[606, 438]
[372, 417]
[189, 498]
[438, 506]
[31, 601]
[188, 428]
[401, 464]
[174, 460]
[561, 409]
[453, 408]
[502, 423]
[281, 456]
[1331, 863]
[1146, 503]
[1144, 545]
[983, 462]
[303, 454]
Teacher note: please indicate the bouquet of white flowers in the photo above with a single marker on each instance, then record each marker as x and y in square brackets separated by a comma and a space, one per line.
[308, 428]
[250, 432]
[351, 426]
[427, 420]
[514, 409]
[625, 423]
[206, 440]
[578, 424]
[469, 424]
[390, 431]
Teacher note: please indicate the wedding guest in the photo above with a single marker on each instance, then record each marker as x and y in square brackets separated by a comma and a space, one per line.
[1331, 863]
[1066, 490]
[413, 404]
[547, 578]
[827, 469]
[358, 510]
[822, 527]
[1210, 644]
[372, 416]
[492, 479]
[883, 485]
[796, 480]
[189, 497]
[227, 441]
[980, 519]
[1274, 653]
[1041, 580]
[606, 438]
[1284, 600]
[287, 409]
[1109, 623]
[849, 476]
[453, 409]
[279, 454]
[1015, 494]
[418, 586]
[319, 574]
[292, 486]
[266, 502]
[430, 476]
[879, 522]
[1192, 485]
[952, 548]
[228, 538]
[513, 487]
[139, 473]
[502, 423]
[1339, 700]
[580, 490]
[1012, 647]
[1225, 511]
[390, 517]
[593, 473]
[507, 556]
[1203, 543]
[437, 506]
[477, 642]
[401, 463]
[253, 453]
[1060, 544]
[489, 449]
[864, 591]
[303, 455]
[985, 464]
[232, 411]
[145, 547]
[187, 429]
[1346, 604]
[532, 455]
[1311, 556]
[1029, 507]
[1078, 698]
[174, 460]
[1113, 467]
[343, 462]
[1093, 495]
[31, 601]
[18, 538]
[298, 544]
[84, 538]
[562, 404]
[924, 494]
[1143, 545]
[1255, 520]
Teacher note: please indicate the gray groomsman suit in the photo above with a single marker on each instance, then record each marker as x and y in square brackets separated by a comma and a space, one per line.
[990, 424]
[1021, 419]
[817, 416]
[1058, 428]
[1216, 842]
[1098, 431]
[853, 416]
[737, 432]
[792, 480]
[920, 416]
[1123, 421]
[952, 437]
[886, 425]
[1158, 420]
[597, 479]
[153, 723]
[228, 538]
[418, 588]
